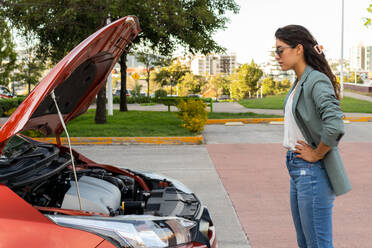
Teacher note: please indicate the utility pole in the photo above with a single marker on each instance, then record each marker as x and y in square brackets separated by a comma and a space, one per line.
[342, 53]
[109, 88]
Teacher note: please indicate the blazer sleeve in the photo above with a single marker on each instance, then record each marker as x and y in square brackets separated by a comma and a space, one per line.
[328, 108]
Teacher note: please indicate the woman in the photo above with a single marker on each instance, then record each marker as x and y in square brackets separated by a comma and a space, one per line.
[313, 126]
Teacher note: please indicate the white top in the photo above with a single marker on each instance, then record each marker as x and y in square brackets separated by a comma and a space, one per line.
[291, 131]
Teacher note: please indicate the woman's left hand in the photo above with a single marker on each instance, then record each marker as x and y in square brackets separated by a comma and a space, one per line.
[306, 152]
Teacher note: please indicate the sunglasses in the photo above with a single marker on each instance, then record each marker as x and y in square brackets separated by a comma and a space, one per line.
[279, 50]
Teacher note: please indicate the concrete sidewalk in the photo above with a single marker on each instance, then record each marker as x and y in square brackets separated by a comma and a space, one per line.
[225, 107]
[358, 96]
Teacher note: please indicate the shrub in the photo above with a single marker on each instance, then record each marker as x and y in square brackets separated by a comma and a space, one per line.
[9, 112]
[131, 99]
[33, 133]
[160, 93]
[273, 87]
[192, 114]
[7, 104]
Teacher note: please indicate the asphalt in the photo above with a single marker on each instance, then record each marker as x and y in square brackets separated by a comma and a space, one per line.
[190, 164]
[267, 133]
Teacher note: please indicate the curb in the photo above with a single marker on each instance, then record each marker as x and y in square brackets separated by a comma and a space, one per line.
[268, 120]
[245, 121]
[197, 140]
[359, 119]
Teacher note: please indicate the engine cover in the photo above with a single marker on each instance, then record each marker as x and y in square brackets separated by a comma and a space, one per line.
[96, 195]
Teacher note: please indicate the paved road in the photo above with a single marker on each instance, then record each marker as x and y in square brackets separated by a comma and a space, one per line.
[267, 133]
[251, 163]
[189, 164]
[241, 176]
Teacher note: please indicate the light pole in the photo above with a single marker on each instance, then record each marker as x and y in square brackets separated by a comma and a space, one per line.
[342, 53]
[109, 84]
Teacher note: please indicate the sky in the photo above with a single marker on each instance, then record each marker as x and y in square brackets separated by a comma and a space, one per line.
[250, 34]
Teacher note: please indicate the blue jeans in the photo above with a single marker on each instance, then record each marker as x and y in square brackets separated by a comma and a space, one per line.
[311, 198]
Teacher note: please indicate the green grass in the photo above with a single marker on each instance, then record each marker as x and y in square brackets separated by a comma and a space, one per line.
[353, 105]
[148, 104]
[269, 102]
[141, 124]
[348, 104]
[129, 124]
[216, 115]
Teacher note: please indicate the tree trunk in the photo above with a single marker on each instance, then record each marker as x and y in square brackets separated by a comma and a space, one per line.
[100, 117]
[148, 84]
[123, 83]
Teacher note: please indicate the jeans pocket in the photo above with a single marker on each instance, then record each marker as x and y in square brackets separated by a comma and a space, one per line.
[299, 162]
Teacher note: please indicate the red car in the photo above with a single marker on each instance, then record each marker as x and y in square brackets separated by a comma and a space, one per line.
[52, 196]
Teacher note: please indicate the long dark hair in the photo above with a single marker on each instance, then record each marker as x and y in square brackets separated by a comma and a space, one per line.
[296, 34]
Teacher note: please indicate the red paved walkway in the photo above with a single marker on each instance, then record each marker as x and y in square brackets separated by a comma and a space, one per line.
[257, 181]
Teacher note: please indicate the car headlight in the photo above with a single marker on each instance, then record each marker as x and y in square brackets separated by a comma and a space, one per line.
[147, 231]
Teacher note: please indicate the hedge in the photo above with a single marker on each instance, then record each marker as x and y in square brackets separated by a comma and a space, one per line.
[131, 99]
[8, 104]
[175, 100]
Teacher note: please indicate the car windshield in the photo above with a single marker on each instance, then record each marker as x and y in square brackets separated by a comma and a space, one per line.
[16, 146]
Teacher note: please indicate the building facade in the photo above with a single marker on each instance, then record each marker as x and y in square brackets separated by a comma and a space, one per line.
[357, 57]
[213, 64]
[368, 58]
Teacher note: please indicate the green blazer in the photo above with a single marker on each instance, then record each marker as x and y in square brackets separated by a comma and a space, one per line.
[318, 115]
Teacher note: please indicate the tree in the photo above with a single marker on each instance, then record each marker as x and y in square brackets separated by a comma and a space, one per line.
[150, 61]
[191, 83]
[30, 67]
[368, 20]
[166, 25]
[59, 26]
[171, 75]
[7, 54]
[351, 78]
[221, 84]
[249, 75]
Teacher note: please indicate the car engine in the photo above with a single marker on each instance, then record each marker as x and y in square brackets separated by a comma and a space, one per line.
[97, 195]
[42, 175]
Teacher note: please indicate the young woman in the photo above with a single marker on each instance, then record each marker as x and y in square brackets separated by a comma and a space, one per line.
[313, 126]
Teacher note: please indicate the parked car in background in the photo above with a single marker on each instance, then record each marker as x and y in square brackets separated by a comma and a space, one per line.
[224, 97]
[195, 95]
[52, 196]
[5, 92]
[117, 92]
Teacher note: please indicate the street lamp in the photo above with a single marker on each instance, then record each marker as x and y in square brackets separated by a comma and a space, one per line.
[342, 53]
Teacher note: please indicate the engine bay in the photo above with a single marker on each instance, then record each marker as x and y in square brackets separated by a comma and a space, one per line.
[42, 175]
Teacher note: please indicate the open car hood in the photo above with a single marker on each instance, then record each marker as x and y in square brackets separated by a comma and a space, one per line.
[76, 80]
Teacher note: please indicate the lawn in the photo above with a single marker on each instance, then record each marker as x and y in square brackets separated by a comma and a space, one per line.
[140, 124]
[348, 104]
[269, 102]
[128, 124]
